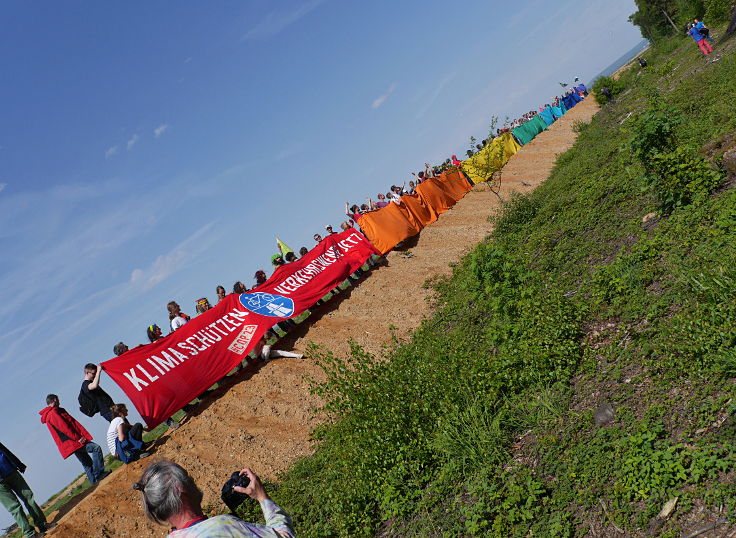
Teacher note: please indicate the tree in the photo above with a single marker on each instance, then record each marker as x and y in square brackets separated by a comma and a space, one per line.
[731, 30]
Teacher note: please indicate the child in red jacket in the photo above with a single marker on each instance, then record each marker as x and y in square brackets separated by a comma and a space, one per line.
[72, 438]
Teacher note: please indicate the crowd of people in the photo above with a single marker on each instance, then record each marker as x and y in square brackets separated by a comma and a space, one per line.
[169, 493]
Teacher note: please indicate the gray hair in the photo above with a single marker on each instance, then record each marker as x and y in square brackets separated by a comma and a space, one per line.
[166, 486]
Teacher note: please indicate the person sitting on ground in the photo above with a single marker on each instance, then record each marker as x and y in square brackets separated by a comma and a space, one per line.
[266, 353]
[14, 490]
[239, 288]
[176, 317]
[303, 252]
[154, 333]
[290, 257]
[642, 62]
[124, 441]
[220, 290]
[171, 497]
[202, 305]
[260, 277]
[455, 162]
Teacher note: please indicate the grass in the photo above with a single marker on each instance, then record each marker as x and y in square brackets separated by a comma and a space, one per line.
[482, 422]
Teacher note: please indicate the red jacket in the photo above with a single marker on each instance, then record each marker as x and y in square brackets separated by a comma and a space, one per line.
[65, 430]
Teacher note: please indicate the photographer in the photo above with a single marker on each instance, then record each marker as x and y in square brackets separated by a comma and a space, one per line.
[171, 496]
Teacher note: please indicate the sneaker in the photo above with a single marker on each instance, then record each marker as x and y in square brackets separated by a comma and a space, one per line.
[172, 423]
[143, 455]
[300, 356]
[46, 527]
[104, 475]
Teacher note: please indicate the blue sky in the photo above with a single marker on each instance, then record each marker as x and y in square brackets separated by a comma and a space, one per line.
[152, 151]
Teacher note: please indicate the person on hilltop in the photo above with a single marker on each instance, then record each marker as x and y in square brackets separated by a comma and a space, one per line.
[92, 399]
[202, 305]
[303, 252]
[176, 317]
[260, 277]
[239, 288]
[124, 441]
[171, 497]
[14, 490]
[699, 39]
[266, 353]
[455, 161]
[290, 257]
[72, 438]
[329, 229]
[220, 290]
[317, 238]
[154, 333]
[277, 260]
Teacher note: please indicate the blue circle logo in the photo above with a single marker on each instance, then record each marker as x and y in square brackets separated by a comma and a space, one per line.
[267, 304]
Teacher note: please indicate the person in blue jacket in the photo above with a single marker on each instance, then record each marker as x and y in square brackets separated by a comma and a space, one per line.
[14, 490]
[699, 39]
[703, 30]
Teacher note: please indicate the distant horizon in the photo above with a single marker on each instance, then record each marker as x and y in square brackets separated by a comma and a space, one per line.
[151, 154]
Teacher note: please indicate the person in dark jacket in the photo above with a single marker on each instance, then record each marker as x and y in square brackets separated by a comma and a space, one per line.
[14, 489]
[72, 438]
[91, 387]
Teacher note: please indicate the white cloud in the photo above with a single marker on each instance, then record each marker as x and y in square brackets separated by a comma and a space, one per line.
[189, 59]
[382, 99]
[109, 152]
[2, 186]
[435, 94]
[161, 129]
[132, 142]
[275, 22]
[167, 264]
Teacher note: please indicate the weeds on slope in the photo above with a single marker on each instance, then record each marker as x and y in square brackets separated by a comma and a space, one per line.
[611, 287]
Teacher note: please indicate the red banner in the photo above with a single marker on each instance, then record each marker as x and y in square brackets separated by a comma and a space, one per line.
[162, 377]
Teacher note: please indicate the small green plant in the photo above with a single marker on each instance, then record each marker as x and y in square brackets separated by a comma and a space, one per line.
[615, 86]
[680, 177]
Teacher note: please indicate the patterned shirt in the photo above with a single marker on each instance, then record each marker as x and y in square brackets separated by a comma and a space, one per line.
[278, 525]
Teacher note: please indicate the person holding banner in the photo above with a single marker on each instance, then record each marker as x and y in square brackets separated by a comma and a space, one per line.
[176, 317]
[220, 290]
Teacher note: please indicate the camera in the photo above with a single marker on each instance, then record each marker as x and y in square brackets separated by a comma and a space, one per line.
[229, 496]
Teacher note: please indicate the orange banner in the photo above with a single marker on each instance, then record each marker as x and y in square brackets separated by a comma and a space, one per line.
[389, 226]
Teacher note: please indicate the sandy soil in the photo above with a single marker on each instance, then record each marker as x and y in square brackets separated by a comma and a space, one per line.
[263, 417]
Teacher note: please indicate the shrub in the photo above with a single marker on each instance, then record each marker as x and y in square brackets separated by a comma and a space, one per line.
[615, 86]
[680, 177]
[717, 10]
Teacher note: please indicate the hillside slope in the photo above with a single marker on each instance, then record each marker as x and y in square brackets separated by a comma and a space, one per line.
[263, 418]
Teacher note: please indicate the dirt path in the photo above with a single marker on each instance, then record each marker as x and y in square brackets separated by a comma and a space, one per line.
[263, 417]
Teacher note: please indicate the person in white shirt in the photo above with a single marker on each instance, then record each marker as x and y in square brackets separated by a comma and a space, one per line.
[124, 441]
[176, 318]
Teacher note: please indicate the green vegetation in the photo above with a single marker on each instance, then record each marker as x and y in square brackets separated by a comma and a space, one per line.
[662, 18]
[612, 283]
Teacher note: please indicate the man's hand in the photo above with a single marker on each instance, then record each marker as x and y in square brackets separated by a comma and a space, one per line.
[82, 440]
[255, 488]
